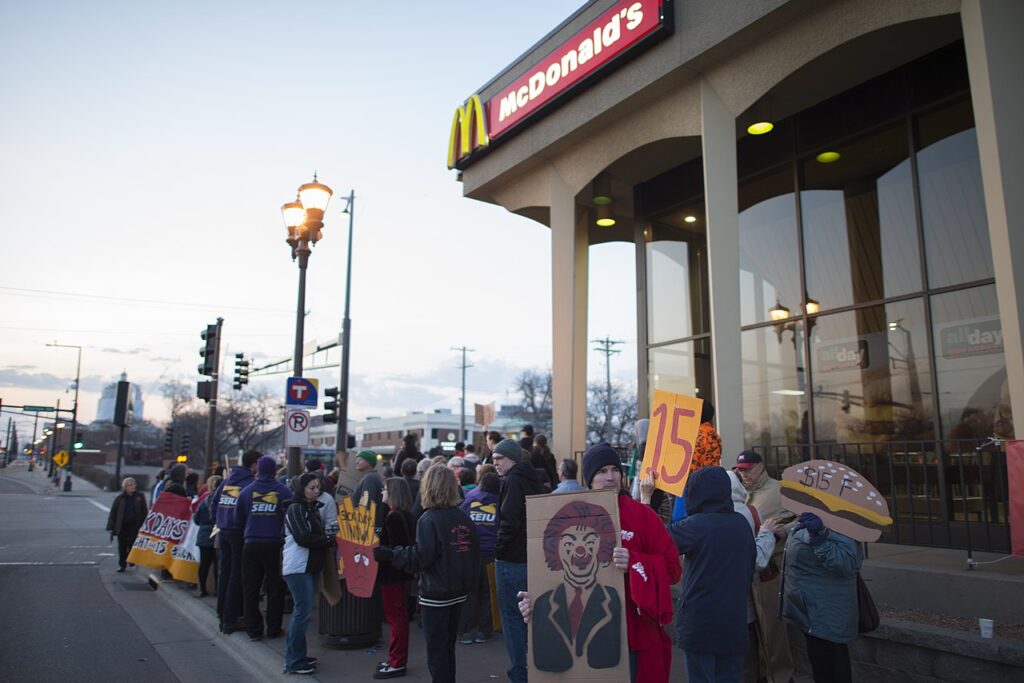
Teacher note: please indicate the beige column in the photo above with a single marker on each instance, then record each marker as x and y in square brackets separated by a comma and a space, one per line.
[995, 61]
[718, 135]
[569, 321]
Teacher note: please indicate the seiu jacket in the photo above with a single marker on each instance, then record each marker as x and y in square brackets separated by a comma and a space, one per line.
[446, 556]
[482, 508]
[260, 510]
[225, 499]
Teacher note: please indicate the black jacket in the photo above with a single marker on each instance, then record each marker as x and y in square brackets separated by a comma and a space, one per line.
[446, 556]
[399, 529]
[121, 518]
[303, 521]
[521, 481]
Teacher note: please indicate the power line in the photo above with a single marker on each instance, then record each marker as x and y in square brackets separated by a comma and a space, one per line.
[44, 293]
[607, 347]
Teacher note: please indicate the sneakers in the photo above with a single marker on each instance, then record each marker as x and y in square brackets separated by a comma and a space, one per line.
[388, 671]
[466, 639]
[482, 639]
[302, 669]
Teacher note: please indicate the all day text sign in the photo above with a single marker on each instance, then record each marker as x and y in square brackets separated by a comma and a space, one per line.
[675, 422]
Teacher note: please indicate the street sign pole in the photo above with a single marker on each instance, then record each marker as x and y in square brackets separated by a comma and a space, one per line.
[211, 424]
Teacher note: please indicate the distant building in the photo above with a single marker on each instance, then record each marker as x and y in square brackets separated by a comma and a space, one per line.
[105, 406]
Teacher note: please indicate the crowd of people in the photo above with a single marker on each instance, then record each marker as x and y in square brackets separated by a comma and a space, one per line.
[453, 527]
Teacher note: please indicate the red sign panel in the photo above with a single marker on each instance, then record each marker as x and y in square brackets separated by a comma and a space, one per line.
[620, 28]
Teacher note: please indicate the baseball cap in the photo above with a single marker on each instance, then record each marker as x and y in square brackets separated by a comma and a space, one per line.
[747, 459]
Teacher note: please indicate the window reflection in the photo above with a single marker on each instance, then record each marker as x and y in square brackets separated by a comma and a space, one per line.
[974, 396]
[677, 295]
[683, 368]
[774, 386]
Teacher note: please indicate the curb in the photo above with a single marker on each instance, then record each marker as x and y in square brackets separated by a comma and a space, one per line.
[255, 658]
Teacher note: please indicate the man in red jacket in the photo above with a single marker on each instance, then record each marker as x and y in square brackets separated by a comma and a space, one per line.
[651, 562]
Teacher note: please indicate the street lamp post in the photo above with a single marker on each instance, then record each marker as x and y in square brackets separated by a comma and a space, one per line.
[74, 412]
[341, 440]
[304, 219]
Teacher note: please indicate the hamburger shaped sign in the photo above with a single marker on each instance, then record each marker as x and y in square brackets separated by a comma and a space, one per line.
[842, 497]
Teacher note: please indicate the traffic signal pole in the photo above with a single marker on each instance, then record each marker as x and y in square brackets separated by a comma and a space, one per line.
[211, 423]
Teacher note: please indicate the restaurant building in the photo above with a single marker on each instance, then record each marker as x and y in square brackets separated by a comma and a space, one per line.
[826, 198]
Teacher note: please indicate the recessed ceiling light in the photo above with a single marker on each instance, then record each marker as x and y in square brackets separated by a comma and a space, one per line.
[760, 128]
[788, 392]
[690, 219]
[828, 157]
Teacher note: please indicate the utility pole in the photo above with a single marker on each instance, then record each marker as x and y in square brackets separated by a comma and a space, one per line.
[607, 347]
[462, 403]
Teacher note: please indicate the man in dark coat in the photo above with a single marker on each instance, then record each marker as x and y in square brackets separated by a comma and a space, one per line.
[127, 513]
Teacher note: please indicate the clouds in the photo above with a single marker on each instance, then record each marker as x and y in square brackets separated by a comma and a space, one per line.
[128, 352]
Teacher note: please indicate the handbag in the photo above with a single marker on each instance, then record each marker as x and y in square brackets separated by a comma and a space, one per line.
[867, 612]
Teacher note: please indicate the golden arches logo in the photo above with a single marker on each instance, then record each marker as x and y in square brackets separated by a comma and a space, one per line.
[468, 118]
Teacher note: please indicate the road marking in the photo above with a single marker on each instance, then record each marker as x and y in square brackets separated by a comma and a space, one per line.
[89, 546]
[101, 507]
[48, 564]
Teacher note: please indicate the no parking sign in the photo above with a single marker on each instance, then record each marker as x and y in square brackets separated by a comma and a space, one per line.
[296, 428]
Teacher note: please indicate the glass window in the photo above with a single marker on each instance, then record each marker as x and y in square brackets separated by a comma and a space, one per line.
[677, 294]
[769, 256]
[774, 386]
[952, 203]
[859, 227]
[683, 368]
[974, 398]
[870, 370]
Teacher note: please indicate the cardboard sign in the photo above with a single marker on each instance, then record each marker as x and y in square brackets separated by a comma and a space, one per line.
[1015, 477]
[167, 539]
[356, 541]
[483, 414]
[675, 423]
[846, 502]
[578, 627]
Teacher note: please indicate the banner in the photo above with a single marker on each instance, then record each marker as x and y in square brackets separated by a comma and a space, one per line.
[167, 539]
[1015, 475]
[675, 423]
[356, 541]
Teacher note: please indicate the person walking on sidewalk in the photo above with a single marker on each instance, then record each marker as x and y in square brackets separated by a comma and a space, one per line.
[399, 530]
[127, 513]
[205, 523]
[302, 561]
[446, 556]
[261, 511]
[229, 576]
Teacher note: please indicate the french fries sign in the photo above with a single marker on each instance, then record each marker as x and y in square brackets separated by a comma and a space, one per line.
[675, 423]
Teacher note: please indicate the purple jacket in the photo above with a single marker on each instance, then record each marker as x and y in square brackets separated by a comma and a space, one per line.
[225, 499]
[482, 508]
[260, 510]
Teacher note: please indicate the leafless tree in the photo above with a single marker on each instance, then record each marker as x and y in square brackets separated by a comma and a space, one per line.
[535, 406]
[179, 394]
[622, 409]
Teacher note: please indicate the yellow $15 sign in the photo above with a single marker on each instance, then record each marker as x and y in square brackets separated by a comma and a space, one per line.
[675, 423]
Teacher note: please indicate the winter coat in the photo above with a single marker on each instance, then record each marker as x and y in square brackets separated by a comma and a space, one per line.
[304, 538]
[121, 517]
[204, 523]
[820, 593]
[225, 500]
[568, 486]
[717, 569]
[399, 529]
[521, 481]
[446, 556]
[260, 510]
[482, 508]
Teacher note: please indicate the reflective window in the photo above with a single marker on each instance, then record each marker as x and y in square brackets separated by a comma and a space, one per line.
[774, 386]
[859, 227]
[871, 375]
[952, 203]
[769, 251]
[974, 398]
[677, 296]
[683, 368]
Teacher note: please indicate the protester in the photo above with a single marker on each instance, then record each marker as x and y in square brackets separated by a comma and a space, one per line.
[399, 530]
[204, 521]
[158, 487]
[372, 485]
[471, 457]
[481, 504]
[493, 438]
[446, 556]
[192, 484]
[175, 481]
[230, 540]
[127, 513]
[409, 451]
[707, 452]
[456, 464]
[526, 438]
[543, 459]
[775, 662]
[460, 449]
[261, 511]
[409, 474]
[568, 472]
[820, 594]
[521, 480]
[652, 563]
[421, 468]
[483, 469]
[719, 562]
[302, 561]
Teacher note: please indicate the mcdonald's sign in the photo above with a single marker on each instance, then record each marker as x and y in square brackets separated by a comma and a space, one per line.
[600, 46]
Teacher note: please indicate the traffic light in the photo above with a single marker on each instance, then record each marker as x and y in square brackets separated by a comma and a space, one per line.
[241, 371]
[204, 390]
[182, 458]
[331, 406]
[184, 445]
[208, 352]
[79, 443]
[169, 440]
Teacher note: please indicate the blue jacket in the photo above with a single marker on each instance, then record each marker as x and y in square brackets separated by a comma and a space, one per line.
[204, 522]
[260, 510]
[717, 569]
[821, 586]
[225, 499]
[482, 508]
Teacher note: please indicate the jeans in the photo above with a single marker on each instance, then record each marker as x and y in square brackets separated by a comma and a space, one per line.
[302, 588]
[511, 578]
[440, 630]
[229, 578]
[207, 561]
[710, 668]
[262, 561]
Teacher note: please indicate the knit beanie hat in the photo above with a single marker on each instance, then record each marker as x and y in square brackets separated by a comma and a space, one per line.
[178, 473]
[369, 456]
[597, 456]
[266, 467]
[510, 449]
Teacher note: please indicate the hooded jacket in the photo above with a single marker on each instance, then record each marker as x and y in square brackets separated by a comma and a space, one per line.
[175, 481]
[521, 481]
[482, 508]
[260, 509]
[718, 567]
[821, 586]
[225, 499]
[446, 557]
[304, 534]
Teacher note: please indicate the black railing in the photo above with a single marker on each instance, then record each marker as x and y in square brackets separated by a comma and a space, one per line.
[948, 494]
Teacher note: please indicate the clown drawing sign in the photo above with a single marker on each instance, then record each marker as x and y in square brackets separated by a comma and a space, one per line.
[356, 541]
[578, 625]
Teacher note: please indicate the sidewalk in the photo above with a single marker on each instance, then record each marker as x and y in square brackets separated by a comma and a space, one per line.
[39, 482]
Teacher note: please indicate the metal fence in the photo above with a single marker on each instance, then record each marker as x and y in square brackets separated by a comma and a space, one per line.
[941, 494]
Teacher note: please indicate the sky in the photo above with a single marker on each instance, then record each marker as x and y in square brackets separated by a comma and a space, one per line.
[146, 148]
